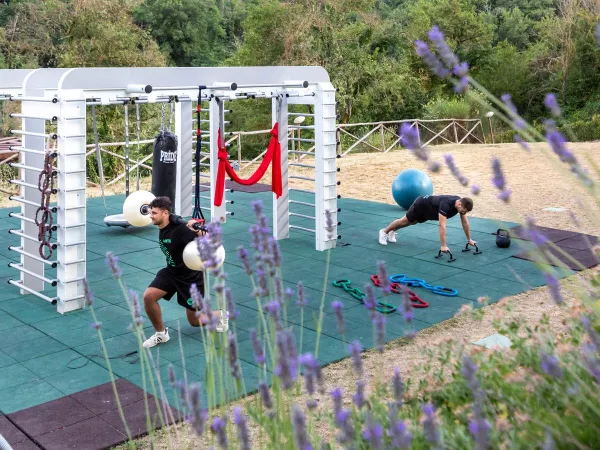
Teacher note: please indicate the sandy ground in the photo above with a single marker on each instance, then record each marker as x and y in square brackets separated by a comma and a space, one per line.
[537, 181]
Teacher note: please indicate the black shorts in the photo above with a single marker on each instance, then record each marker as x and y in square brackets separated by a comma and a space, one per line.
[416, 212]
[166, 281]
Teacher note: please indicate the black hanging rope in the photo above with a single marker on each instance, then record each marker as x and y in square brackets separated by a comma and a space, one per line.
[197, 214]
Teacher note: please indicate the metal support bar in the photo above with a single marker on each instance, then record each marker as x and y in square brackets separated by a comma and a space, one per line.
[28, 202]
[310, 166]
[31, 291]
[300, 114]
[33, 274]
[31, 238]
[302, 215]
[25, 116]
[29, 185]
[301, 178]
[37, 258]
[302, 140]
[33, 99]
[34, 169]
[302, 228]
[33, 152]
[302, 203]
[31, 133]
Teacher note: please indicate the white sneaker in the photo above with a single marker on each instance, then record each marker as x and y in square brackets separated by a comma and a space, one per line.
[392, 236]
[157, 338]
[383, 237]
[223, 324]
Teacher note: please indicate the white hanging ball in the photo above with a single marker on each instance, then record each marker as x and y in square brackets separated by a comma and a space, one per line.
[191, 257]
[136, 210]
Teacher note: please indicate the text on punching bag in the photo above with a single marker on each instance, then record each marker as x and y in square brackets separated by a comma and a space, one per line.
[168, 157]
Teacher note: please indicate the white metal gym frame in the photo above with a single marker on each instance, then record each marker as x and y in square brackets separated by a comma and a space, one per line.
[60, 97]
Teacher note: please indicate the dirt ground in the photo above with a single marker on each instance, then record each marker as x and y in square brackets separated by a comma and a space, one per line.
[537, 181]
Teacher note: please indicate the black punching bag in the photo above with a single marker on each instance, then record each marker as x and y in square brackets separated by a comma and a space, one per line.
[164, 166]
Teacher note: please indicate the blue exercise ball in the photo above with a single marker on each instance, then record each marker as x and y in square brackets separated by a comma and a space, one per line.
[410, 184]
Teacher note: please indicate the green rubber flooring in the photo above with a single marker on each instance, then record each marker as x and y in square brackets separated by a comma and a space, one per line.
[45, 356]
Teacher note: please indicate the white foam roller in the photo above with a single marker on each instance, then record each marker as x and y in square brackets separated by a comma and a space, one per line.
[191, 256]
[134, 208]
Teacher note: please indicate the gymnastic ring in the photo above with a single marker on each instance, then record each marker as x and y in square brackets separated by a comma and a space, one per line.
[447, 292]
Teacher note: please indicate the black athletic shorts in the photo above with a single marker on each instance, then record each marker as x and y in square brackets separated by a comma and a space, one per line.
[166, 281]
[416, 212]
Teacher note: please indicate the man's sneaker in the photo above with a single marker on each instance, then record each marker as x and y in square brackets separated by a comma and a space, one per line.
[383, 237]
[157, 338]
[223, 324]
[392, 236]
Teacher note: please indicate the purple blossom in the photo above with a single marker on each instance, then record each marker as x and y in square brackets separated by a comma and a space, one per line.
[232, 348]
[379, 322]
[449, 159]
[172, 378]
[342, 421]
[409, 138]
[198, 415]
[475, 189]
[590, 354]
[574, 219]
[595, 340]
[461, 70]
[113, 263]
[301, 297]
[479, 429]
[259, 354]
[329, 225]
[499, 181]
[385, 280]
[265, 395]
[231, 307]
[359, 396]
[311, 367]
[373, 433]
[554, 288]
[263, 281]
[549, 443]
[430, 426]
[519, 123]
[552, 104]
[551, 366]
[437, 37]
[196, 297]
[523, 143]
[337, 306]
[355, 350]
[135, 303]
[299, 424]
[243, 257]
[239, 418]
[597, 33]
[87, 294]
[370, 301]
[96, 325]
[532, 232]
[336, 396]
[478, 425]
[399, 434]
[218, 428]
[431, 60]
[275, 251]
[407, 309]
[398, 387]
[462, 86]
[273, 308]
[558, 143]
[287, 359]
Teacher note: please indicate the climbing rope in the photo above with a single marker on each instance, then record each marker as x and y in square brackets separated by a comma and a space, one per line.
[345, 284]
[396, 288]
[46, 187]
[418, 282]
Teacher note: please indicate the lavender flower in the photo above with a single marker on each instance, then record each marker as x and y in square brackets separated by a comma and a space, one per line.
[233, 356]
[475, 189]
[430, 426]
[478, 426]
[431, 60]
[549, 443]
[299, 424]
[519, 140]
[265, 395]
[275, 251]
[462, 86]
[407, 309]
[437, 37]
[399, 434]
[370, 301]
[337, 309]
[454, 169]
[243, 257]
[554, 288]
[551, 366]
[575, 219]
[87, 294]
[135, 303]
[379, 322]
[172, 378]
[499, 180]
[287, 360]
[231, 307]
[113, 263]
[301, 297]
[263, 281]
[398, 387]
[198, 415]
[552, 104]
[273, 308]
[218, 428]
[259, 354]
[558, 143]
[373, 433]
[196, 297]
[242, 425]
[355, 350]
[461, 70]
[96, 325]
[479, 429]
[597, 33]
[329, 225]
[310, 365]
[336, 396]
[409, 138]
[517, 120]
[595, 340]
[359, 396]
[537, 237]
[342, 421]
[385, 280]
[590, 354]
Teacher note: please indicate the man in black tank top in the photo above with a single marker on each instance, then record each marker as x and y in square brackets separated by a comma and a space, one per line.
[176, 277]
[432, 207]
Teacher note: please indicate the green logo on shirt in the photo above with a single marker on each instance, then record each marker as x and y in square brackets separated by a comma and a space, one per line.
[190, 301]
[161, 244]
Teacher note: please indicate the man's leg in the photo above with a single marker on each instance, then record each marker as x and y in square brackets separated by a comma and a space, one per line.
[199, 320]
[397, 224]
[151, 297]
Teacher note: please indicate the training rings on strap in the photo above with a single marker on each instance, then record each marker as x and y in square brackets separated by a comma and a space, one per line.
[396, 288]
[418, 282]
[345, 284]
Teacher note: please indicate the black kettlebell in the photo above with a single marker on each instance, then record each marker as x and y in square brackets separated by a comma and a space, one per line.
[502, 238]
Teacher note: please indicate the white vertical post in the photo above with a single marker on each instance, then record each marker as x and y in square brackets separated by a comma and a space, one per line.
[281, 205]
[183, 129]
[217, 119]
[35, 109]
[72, 205]
[325, 166]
